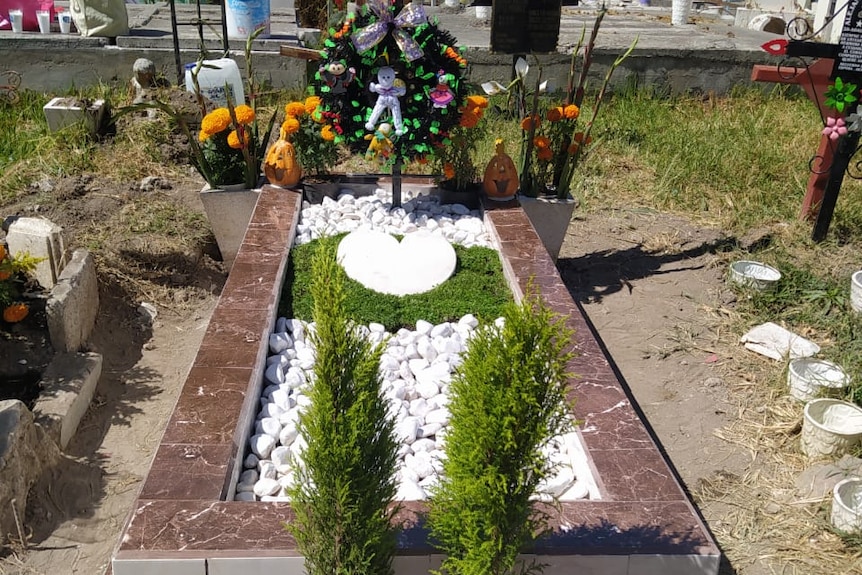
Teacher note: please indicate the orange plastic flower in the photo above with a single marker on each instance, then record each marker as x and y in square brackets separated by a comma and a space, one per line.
[541, 142]
[290, 125]
[544, 154]
[556, 114]
[448, 170]
[233, 140]
[468, 119]
[244, 114]
[571, 111]
[477, 102]
[528, 122]
[216, 121]
[295, 109]
[327, 133]
[312, 103]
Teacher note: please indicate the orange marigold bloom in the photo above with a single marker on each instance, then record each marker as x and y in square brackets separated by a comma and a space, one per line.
[528, 122]
[571, 111]
[541, 141]
[233, 140]
[244, 114]
[203, 136]
[312, 103]
[327, 133]
[290, 125]
[216, 121]
[448, 170]
[573, 148]
[579, 137]
[295, 109]
[477, 102]
[556, 114]
[544, 154]
[469, 119]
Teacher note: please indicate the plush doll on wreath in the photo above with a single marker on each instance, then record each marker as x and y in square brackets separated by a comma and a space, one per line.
[395, 67]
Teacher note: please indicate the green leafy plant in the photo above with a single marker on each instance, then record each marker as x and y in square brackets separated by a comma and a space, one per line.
[345, 484]
[508, 400]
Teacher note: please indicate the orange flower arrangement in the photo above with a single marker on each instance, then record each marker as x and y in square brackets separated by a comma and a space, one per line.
[454, 152]
[314, 139]
[230, 150]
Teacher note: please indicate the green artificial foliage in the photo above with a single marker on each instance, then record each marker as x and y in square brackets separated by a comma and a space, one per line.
[507, 401]
[345, 485]
[478, 286]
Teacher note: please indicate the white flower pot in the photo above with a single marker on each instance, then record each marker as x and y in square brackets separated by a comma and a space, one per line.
[856, 291]
[61, 112]
[754, 274]
[452, 3]
[808, 378]
[847, 505]
[229, 212]
[550, 217]
[483, 12]
[830, 428]
[680, 10]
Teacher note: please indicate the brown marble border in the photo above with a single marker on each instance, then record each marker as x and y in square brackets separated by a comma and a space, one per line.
[182, 517]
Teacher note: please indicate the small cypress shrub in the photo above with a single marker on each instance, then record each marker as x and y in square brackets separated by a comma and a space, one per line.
[508, 400]
[345, 486]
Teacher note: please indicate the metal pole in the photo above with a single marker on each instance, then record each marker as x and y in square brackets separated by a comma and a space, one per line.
[180, 75]
[396, 183]
[846, 148]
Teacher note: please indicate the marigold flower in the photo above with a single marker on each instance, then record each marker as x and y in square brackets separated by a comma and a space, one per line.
[290, 125]
[203, 136]
[216, 121]
[468, 119]
[312, 103]
[477, 102]
[317, 116]
[573, 148]
[244, 114]
[233, 140]
[448, 170]
[571, 111]
[541, 142]
[295, 109]
[579, 138]
[422, 160]
[528, 122]
[326, 133]
[545, 154]
[556, 114]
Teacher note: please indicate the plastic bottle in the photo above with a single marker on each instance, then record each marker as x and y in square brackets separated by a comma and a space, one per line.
[246, 16]
[213, 77]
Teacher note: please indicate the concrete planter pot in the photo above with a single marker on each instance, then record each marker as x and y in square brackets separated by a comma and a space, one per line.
[229, 210]
[63, 112]
[847, 505]
[808, 378]
[550, 217]
[830, 428]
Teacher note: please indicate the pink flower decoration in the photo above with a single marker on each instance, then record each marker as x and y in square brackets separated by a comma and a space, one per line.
[835, 128]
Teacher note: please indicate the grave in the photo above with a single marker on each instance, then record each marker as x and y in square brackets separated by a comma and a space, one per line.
[184, 520]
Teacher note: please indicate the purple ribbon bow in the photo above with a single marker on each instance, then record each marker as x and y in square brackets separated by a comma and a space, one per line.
[411, 16]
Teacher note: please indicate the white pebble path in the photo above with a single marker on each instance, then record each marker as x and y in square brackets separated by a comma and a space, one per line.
[416, 369]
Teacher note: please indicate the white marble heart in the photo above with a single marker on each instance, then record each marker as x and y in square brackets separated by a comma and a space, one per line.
[419, 263]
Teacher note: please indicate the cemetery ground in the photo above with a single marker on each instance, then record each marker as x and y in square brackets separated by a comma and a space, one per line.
[677, 190]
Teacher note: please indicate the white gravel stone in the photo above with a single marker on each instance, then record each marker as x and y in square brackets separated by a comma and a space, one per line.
[266, 486]
[262, 445]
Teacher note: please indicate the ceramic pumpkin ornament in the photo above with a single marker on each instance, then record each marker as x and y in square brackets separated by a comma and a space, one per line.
[15, 312]
[501, 175]
[280, 166]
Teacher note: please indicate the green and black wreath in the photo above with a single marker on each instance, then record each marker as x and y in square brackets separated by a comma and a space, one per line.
[379, 63]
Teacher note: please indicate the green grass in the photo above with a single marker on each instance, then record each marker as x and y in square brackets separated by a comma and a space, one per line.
[476, 287]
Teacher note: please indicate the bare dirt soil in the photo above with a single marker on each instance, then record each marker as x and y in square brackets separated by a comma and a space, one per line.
[651, 285]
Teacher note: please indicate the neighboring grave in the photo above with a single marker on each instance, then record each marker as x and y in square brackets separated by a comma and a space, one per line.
[74, 304]
[41, 239]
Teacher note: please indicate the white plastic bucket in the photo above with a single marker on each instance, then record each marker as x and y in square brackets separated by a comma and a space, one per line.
[847, 505]
[246, 16]
[856, 291]
[214, 78]
[830, 428]
[483, 12]
[807, 377]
